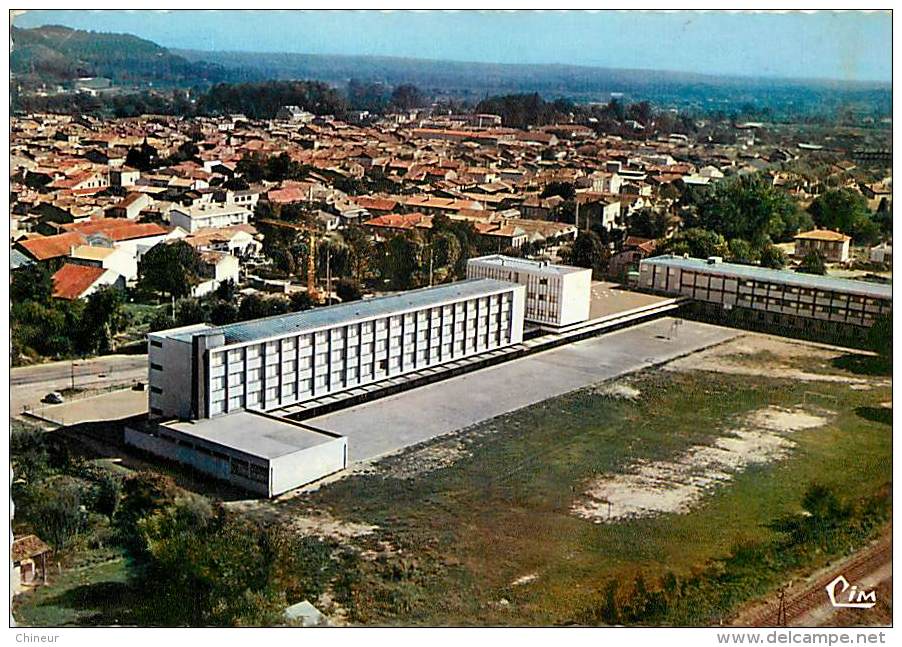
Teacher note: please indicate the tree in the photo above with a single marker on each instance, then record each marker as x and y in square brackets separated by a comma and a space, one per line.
[647, 223]
[564, 189]
[223, 312]
[880, 336]
[254, 306]
[772, 257]
[109, 493]
[843, 210]
[251, 168]
[190, 311]
[588, 251]
[813, 263]
[401, 261]
[143, 493]
[360, 251]
[741, 251]
[698, 243]
[746, 207]
[406, 97]
[348, 290]
[299, 301]
[101, 320]
[170, 268]
[58, 512]
[31, 283]
[226, 291]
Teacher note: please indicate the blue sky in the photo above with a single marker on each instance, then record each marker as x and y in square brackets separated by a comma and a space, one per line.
[828, 45]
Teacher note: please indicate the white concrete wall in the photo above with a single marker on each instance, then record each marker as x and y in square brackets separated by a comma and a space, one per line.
[169, 392]
[294, 470]
[576, 297]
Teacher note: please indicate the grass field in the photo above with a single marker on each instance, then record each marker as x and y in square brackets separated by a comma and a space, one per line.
[492, 540]
[88, 594]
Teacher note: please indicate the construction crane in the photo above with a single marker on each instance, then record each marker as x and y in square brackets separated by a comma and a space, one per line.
[311, 232]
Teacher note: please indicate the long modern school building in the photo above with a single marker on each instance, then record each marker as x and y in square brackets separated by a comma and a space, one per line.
[207, 371]
[556, 295]
[804, 301]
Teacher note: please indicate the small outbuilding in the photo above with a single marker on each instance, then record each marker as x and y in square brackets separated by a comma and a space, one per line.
[29, 556]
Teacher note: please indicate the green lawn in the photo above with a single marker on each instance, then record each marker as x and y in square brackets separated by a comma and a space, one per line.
[468, 531]
[91, 593]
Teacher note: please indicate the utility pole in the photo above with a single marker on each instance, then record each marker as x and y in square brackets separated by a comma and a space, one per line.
[328, 275]
[430, 264]
[72, 376]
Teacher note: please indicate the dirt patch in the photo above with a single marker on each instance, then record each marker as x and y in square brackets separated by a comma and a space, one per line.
[427, 459]
[526, 579]
[757, 355]
[676, 486]
[322, 524]
[307, 521]
[620, 391]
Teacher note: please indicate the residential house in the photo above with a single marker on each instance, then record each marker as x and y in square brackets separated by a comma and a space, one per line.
[73, 281]
[130, 206]
[109, 258]
[50, 250]
[202, 216]
[832, 244]
[216, 268]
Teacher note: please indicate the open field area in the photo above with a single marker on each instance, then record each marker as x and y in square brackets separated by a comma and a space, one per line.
[488, 526]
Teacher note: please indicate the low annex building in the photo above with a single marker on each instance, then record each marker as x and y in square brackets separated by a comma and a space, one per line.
[556, 295]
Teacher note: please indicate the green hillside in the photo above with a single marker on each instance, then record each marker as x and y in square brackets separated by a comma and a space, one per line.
[55, 54]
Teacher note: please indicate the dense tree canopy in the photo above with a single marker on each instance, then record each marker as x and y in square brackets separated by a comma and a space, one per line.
[747, 207]
[589, 251]
[845, 210]
[263, 100]
[698, 243]
[171, 269]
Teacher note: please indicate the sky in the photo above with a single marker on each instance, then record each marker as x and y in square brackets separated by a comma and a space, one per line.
[850, 46]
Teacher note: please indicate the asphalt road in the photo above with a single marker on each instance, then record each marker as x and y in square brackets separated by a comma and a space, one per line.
[28, 384]
[386, 425]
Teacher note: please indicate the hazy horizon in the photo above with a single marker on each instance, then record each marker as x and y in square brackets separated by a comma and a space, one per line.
[822, 46]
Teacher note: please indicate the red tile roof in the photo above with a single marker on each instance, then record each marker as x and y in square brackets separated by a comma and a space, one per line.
[117, 229]
[401, 221]
[46, 247]
[286, 195]
[71, 281]
[375, 203]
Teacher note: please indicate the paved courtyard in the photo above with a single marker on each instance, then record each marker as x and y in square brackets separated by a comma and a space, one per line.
[114, 405]
[390, 424]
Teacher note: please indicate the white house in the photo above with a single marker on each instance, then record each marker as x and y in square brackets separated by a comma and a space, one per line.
[108, 258]
[218, 267]
[202, 216]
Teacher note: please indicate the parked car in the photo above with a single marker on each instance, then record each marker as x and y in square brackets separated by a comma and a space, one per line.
[54, 397]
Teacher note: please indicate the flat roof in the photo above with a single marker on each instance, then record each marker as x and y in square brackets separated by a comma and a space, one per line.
[252, 433]
[329, 316]
[541, 267]
[754, 272]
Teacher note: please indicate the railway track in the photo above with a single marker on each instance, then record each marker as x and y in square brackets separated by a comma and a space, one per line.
[814, 594]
